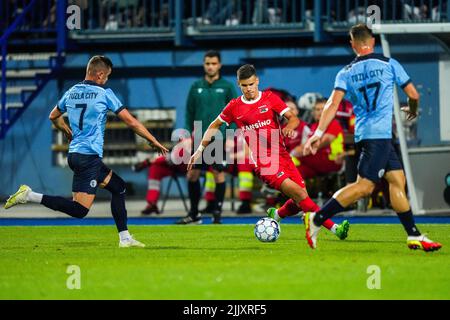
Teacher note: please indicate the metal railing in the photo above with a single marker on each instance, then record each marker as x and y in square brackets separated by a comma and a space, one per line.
[158, 15]
[127, 15]
[348, 12]
[178, 19]
[245, 14]
[42, 19]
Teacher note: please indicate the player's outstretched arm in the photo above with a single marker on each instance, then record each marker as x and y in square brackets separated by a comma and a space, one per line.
[293, 122]
[328, 114]
[59, 123]
[210, 132]
[413, 102]
[141, 130]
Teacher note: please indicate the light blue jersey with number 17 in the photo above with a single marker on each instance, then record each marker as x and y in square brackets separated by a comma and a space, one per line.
[369, 84]
[87, 105]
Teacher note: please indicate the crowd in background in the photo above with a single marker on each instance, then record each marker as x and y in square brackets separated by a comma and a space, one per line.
[123, 14]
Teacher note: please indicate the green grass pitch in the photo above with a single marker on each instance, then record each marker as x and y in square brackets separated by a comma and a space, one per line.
[220, 262]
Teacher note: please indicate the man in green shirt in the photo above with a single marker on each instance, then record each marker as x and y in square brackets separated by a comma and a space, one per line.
[207, 97]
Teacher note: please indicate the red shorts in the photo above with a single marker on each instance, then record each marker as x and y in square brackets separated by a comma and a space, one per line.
[275, 176]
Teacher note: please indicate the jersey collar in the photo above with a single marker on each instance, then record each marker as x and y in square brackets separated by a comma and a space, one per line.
[92, 83]
[253, 101]
[371, 56]
[206, 83]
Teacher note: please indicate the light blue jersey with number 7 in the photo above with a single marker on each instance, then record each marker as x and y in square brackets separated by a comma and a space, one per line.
[369, 85]
[87, 105]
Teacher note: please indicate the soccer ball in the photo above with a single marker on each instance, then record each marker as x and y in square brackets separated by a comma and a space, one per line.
[267, 230]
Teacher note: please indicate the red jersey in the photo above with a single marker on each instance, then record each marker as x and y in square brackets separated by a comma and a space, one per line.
[259, 122]
[337, 145]
[301, 135]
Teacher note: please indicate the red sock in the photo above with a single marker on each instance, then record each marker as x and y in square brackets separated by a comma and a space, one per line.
[328, 224]
[307, 205]
[210, 196]
[288, 209]
[245, 195]
[152, 196]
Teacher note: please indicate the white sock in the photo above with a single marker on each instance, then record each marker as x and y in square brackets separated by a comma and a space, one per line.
[124, 235]
[333, 228]
[34, 197]
[276, 216]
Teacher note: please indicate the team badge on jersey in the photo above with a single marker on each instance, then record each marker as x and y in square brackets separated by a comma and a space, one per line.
[263, 109]
[93, 183]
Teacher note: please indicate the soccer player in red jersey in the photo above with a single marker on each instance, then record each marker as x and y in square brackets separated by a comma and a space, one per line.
[257, 115]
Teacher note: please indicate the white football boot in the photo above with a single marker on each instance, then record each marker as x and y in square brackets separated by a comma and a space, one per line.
[20, 197]
[312, 231]
[130, 242]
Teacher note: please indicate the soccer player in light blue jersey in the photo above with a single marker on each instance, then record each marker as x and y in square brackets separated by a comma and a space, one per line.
[369, 84]
[87, 104]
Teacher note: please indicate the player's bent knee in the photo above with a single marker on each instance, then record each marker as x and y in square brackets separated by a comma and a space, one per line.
[116, 184]
[80, 211]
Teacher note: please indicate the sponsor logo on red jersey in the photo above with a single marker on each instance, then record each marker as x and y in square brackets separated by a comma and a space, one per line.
[257, 125]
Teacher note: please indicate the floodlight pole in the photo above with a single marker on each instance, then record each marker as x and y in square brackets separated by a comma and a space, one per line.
[402, 138]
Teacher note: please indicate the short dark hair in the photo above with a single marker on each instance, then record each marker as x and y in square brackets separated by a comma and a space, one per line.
[361, 32]
[246, 71]
[97, 63]
[212, 54]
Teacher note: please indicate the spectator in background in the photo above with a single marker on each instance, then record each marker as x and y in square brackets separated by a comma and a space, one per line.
[425, 10]
[306, 103]
[327, 159]
[221, 12]
[269, 12]
[161, 167]
[346, 116]
[120, 14]
[110, 14]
